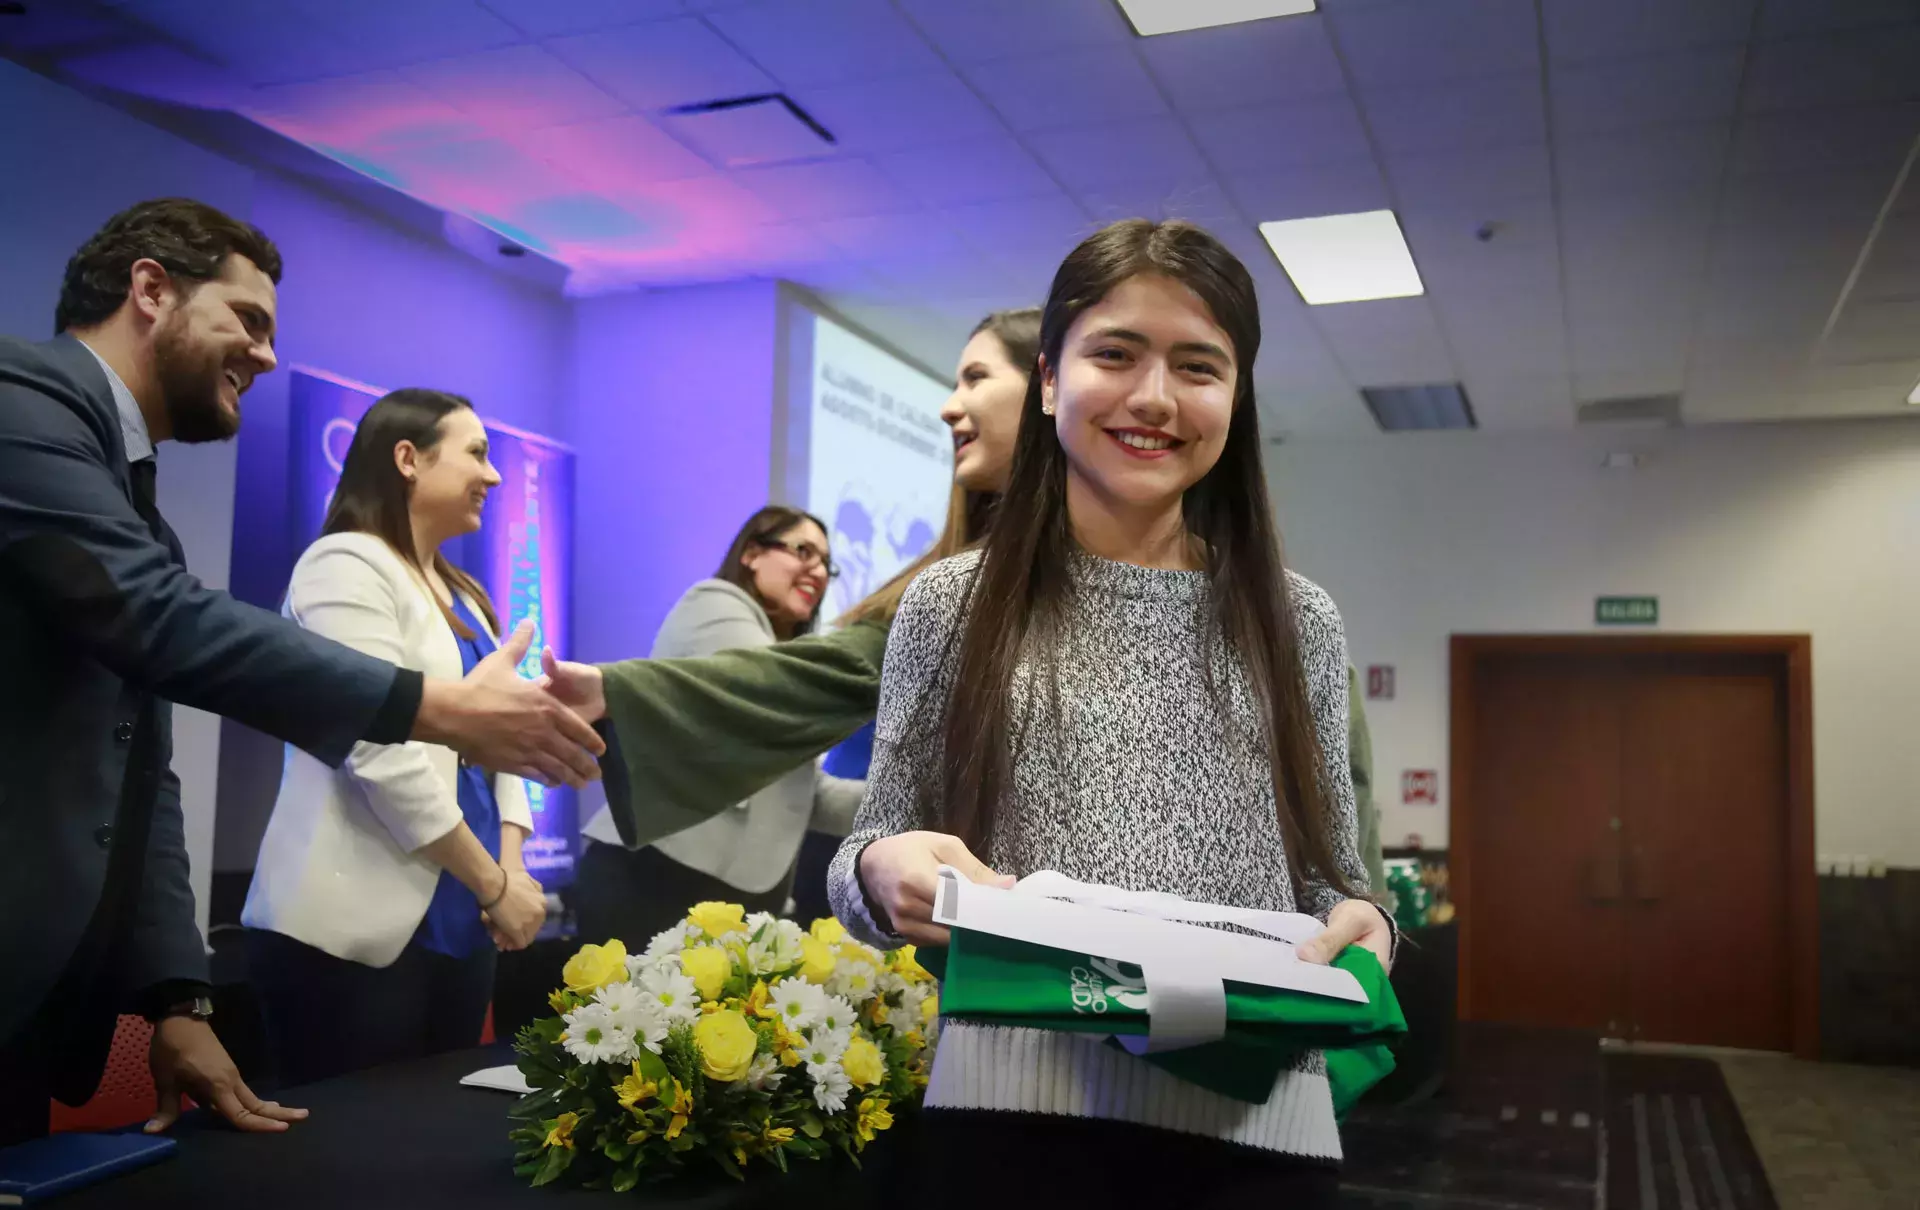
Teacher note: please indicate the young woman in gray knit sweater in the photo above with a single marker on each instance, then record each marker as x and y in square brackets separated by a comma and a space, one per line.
[1124, 685]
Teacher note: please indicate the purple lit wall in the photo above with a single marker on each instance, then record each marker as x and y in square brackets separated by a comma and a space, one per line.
[671, 415]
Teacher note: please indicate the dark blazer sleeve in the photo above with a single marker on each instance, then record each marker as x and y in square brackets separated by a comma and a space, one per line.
[165, 946]
[75, 551]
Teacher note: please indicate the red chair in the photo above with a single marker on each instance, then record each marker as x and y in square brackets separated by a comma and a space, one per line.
[125, 1095]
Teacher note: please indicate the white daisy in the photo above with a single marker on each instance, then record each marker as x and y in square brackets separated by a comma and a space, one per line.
[903, 1019]
[798, 1002]
[835, 1014]
[855, 978]
[892, 982]
[777, 947]
[826, 1045]
[830, 1086]
[618, 997]
[670, 942]
[593, 1036]
[673, 991]
[758, 921]
[646, 1022]
[765, 1073]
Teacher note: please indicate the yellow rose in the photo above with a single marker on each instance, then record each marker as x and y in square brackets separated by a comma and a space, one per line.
[906, 964]
[717, 919]
[817, 960]
[863, 1063]
[595, 966]
[726, 1045]
[827, 929]
[709, 968]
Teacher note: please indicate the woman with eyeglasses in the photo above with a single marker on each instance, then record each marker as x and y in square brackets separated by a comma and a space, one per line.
[767, 590]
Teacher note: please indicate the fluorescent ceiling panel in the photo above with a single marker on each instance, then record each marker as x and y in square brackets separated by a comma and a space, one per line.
[1339, 258]
[1151, 17]
[1913, 396]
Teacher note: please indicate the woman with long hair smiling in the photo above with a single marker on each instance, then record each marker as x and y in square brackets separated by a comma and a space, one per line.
[1125, 685]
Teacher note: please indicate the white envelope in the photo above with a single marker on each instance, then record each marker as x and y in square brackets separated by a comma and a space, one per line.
[1184, 966]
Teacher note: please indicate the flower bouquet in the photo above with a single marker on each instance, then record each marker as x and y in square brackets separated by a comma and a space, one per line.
[733, 1039]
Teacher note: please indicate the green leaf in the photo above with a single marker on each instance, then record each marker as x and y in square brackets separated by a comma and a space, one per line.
[728, 1166]
[652, 1067]
[556, 1163]
[537, 1105]
[549, 1029]
[811, 1125]
[626, 1178]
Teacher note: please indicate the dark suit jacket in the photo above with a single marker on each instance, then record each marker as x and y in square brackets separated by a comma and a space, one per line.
[101, 626]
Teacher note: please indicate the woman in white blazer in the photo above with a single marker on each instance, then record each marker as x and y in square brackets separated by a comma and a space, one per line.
[383, 888]
[768, 588]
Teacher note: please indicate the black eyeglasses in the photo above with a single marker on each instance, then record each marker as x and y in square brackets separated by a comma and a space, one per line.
[808, 554]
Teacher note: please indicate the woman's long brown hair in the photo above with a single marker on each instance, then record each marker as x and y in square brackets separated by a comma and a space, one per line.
[1018, 600]
[968, 513]
[372, 495]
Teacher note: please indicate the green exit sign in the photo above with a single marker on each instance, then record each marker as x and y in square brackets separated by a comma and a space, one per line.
[1627, 611]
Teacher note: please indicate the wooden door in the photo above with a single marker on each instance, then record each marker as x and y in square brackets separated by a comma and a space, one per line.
[1705, 862]
[1628, 846]
[1548, 938]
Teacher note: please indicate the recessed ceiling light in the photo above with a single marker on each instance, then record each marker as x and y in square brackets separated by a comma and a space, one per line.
[1340, 258]
[1151, 17]
[1913, 396]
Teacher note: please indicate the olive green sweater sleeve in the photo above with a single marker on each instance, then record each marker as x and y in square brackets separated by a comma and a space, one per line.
[691, 737]
[1360, 761]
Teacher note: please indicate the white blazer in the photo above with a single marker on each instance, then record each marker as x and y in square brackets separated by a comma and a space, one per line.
[340, 868]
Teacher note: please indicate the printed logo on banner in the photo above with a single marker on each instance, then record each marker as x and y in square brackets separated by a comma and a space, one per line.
[1103, 980]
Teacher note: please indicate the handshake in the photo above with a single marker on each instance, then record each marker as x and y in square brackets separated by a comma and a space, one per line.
[540, 729]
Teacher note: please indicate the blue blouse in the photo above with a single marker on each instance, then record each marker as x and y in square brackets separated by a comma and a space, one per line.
[852, 755]
[452, 925]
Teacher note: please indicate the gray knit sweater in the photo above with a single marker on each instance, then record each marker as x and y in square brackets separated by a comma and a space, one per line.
[1131, 775]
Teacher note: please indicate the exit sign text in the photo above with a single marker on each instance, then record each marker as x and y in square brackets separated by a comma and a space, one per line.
[1626, 611]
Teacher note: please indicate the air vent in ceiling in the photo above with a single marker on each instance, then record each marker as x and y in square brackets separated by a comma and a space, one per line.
[769, 128]
[1631, 409]
[1438, 405]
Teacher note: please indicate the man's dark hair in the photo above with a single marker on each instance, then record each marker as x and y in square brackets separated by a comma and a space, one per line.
[190, 239]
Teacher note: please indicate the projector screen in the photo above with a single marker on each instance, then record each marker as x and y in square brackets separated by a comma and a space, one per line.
[864, 449]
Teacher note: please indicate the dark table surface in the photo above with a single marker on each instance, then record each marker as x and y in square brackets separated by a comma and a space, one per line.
[409, 1135]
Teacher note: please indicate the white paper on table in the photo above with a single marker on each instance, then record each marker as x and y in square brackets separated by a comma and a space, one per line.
[1184, 966]
[500, 1079]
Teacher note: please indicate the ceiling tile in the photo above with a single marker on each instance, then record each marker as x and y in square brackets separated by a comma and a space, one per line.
[1264, 139]
[1230, 66]
[1814, 219]
[1072, 88]
[515, 88]
[1495, 112]
[900, 112]
[762, 131]
[1689, 155]
[1788, 18]
[262, 45]
[713, 201]
[1155, 151]
[486, 178]
[548, 19]
[1627, 384]
[824, 42]
[1521, 334]
[1623, 94]
[1520, 258]
[826, 189]
[616, 154]
[1460, 183]
[1649, 338]
[1872, 331]
[1518, 403]
[982, 30]
[382, 33]
[1850, 68]
[1580, 29]
[1035, 230]
[1871, 138]
[1391, 342]
[912, 235]
[958, 174]
[362, 114]
[1340, 187]
[663, 64]
[1404, 43]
